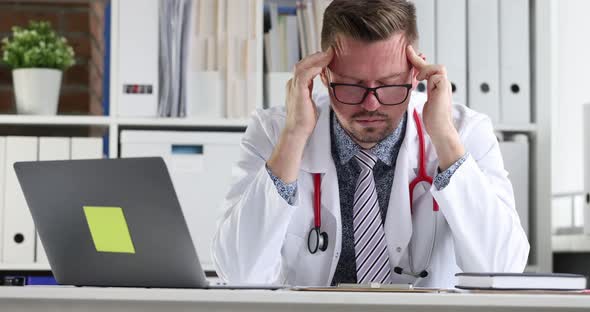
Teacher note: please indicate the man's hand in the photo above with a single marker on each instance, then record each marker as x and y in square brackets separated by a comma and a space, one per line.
[301, 117]
[436, 114]
[301, 110]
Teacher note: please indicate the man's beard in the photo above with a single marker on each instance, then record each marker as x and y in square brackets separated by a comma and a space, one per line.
[370, 135]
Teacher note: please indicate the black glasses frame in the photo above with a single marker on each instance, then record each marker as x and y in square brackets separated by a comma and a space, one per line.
[333, 85]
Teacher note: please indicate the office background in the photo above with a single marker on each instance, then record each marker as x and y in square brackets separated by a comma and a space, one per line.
[547, 123]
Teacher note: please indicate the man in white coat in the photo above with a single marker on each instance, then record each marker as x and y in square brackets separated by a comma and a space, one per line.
[363, 141]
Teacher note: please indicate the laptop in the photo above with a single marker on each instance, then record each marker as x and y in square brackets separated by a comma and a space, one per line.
[113, 222]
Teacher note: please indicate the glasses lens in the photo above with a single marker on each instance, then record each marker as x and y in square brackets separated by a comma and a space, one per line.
[392, 95]
[349, 94]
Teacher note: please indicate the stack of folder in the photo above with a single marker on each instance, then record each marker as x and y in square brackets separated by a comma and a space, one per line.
[18, 242]
[291, 33]
[188, 58]
[484, 45]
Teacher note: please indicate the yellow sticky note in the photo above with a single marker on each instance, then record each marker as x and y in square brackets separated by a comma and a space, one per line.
[108, 229]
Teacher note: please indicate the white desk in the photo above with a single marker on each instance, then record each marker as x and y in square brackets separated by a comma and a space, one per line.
[36, 298]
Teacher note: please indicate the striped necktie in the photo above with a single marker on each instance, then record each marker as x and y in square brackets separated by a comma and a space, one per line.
[372, 259]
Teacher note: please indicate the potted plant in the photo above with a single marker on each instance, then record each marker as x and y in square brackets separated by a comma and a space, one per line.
[37, 57]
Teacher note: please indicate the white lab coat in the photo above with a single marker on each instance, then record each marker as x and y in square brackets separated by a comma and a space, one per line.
[263, 239]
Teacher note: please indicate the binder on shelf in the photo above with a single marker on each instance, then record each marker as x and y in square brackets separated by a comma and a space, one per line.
[483, 57]
[276, 88]
[19, 230]
[205, 94]
[309, 19]
[255, 58]
[515, 83]
[291, 42]
[86, 148]
[50, 148]
[426, 17]
[2, 192]
[137, 41]
[173, 22]
[301, 28]
[200, 165]
[515, 153]
[244, 58]
[281, 41]
[586, 137]
[451, 45]
[319, 7]
[274, 42]
[276, 91]
[205, 84]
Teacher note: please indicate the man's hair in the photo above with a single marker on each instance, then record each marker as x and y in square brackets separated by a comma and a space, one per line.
[369, 20]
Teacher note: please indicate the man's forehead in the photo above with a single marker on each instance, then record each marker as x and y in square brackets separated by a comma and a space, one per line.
[389, 75]
[346, 46]
[370, 60]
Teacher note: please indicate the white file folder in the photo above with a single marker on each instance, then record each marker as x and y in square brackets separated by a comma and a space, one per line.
[586, 137]
[50, 148]
[483, 57]
[19, 231]
[276, 88]
[200, 165]
[516, 161]
[425, 20]
[137, 41]
[514, 62]
[2, 189]
[86, 148]
[451, 44]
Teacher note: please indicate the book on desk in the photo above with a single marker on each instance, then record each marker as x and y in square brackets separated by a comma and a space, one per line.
[520, 281]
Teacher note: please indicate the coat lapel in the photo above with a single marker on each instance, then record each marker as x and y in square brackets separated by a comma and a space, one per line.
[317, 158]
[398, 223]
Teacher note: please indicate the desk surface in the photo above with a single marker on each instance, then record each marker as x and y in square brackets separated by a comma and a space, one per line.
[63, 298]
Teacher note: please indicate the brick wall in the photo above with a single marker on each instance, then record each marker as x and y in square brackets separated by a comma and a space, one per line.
[81, 22]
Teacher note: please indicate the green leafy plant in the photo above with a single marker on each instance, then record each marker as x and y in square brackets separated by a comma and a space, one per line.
[37, 46]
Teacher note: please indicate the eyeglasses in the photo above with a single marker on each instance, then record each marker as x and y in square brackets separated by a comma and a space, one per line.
[353, 94]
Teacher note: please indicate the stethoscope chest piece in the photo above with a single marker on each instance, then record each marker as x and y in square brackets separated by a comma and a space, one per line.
[317, 240]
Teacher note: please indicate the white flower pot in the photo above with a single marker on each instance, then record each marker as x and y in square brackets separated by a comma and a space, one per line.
[36, 90]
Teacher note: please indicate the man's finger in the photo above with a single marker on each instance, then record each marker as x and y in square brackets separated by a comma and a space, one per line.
[430, 70]
[319, 59]
[304, 79]
[438, 83]
[415, 59]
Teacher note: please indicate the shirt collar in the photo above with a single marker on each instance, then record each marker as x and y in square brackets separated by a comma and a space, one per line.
[384, 150]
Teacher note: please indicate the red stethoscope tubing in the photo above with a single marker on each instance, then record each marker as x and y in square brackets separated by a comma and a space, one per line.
[317, 200]
[422, 175]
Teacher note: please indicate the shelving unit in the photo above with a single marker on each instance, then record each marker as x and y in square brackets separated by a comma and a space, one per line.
[543, 96]
[24, 267]
[571, 243]
[104, 121]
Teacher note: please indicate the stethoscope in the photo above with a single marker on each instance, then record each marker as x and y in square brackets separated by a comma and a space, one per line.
[318, 240]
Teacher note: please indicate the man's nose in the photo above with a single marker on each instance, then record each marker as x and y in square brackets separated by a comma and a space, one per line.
[371, 103]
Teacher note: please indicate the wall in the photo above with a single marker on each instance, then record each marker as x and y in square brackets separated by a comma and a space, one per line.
[81, 22]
